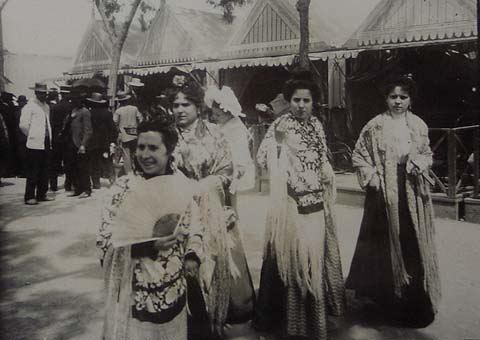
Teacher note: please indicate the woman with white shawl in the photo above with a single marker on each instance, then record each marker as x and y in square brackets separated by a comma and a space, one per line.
[225, 112]
[301, 272]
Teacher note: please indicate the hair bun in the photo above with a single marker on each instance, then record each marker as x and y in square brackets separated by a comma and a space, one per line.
[299, 73]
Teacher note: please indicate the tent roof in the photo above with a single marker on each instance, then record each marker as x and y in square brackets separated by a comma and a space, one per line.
[394, 22]
[272, 28]
[184, 35]
[95, 49]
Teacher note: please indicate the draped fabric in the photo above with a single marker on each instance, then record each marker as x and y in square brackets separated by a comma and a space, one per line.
[141, 283]
[203, 154]
[300, 236]
[376, 154]
[238, 139]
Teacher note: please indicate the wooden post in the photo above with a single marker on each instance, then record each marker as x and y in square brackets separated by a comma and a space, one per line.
[476, 162]
[452, 164]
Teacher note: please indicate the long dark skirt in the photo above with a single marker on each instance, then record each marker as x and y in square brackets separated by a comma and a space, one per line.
[283, 310]
[371, 272]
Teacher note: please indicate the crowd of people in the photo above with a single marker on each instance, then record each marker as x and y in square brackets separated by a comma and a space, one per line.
[170, 241]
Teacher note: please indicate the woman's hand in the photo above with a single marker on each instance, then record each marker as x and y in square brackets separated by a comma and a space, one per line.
[191, 268]
[374, 182]
[416, 166]
[165, 242]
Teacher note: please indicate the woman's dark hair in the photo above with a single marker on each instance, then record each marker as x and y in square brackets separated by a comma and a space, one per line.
[190, 89]
[406, 83]
[301, 80]
[163, 125]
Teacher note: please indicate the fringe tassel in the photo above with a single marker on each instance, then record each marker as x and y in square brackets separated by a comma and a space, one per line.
[118, 277]
[217, 249]
[299, 263]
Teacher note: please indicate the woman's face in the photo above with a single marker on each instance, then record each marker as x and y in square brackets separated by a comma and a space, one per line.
[185, 111]
[301, 104]
[151, 153]
[398, 100]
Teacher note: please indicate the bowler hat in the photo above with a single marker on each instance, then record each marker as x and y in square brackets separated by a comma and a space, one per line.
[39, 87]
[96, 98]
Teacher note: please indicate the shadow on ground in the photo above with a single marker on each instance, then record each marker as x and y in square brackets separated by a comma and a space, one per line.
[70, 313]
[12, 207]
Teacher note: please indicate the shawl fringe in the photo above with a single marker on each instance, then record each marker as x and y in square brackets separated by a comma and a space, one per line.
[311, 268]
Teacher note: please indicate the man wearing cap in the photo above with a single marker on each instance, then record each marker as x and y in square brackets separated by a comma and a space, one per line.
[35, 124]
[127, 117]
[58, 113]
[77, 131]
[103, 135]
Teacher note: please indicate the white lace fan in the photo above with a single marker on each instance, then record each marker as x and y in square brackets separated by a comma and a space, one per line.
[151, 209]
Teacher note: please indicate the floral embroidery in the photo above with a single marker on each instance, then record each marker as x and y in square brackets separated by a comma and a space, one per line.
[157, 284]
[307, 155]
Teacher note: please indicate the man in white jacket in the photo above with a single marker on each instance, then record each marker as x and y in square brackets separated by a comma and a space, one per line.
[35, 125]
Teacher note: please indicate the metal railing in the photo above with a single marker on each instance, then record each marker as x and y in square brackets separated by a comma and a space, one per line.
[451, 170]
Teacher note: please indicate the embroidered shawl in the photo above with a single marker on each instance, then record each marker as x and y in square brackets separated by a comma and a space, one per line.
[158, 284]
[304, 168]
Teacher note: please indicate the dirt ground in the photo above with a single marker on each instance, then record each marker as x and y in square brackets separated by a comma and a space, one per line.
[51, 280]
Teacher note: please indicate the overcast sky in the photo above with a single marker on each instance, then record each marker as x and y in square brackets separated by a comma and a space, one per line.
[55, 27]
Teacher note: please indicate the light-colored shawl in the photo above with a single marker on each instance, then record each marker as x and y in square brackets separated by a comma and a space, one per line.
[375, 154]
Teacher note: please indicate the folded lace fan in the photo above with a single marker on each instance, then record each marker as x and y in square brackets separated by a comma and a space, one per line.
[162, 199]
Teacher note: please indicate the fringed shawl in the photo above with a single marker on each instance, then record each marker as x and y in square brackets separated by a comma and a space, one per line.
[215, 271]
[375, 154]
[297, 263]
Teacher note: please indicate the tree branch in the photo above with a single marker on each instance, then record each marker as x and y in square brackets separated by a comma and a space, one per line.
[111, 31]
[129, 18]
[2, 5]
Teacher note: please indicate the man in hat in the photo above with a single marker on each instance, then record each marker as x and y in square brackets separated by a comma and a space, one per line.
[58, 113]
[52, 97]
[35, 124]
[138, 96]
[127, 117]
[103, 135]
[77, 131]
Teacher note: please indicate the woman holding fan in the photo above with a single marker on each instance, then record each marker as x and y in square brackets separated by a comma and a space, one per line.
[148, 238]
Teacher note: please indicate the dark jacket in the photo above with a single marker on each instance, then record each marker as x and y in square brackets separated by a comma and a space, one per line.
[103, 128]
[58, 113]
[78, 127]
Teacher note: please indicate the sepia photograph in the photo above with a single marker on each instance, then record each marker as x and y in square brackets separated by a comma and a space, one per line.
[239, 170]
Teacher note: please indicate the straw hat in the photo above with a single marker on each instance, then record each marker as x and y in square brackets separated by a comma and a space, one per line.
[39, 87]
[121, 96]
[96, 98]
[136, 82]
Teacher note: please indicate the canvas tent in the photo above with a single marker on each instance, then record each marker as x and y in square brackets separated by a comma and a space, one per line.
[95, 50]
[407, 23]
